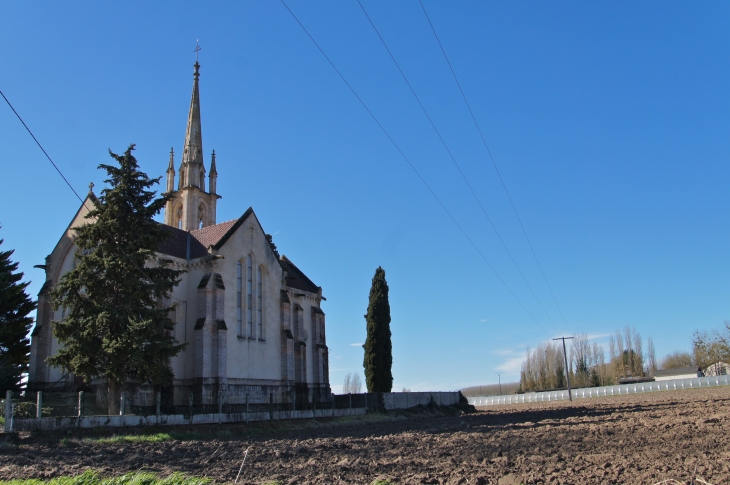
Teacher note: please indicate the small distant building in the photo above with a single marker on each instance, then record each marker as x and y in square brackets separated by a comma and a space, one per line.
[717, 369]
[678, 373]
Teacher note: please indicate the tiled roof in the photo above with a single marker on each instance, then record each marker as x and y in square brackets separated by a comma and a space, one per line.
[200, 239]
[680, 371]
[209, 236]
[295, 278]
[177, 244]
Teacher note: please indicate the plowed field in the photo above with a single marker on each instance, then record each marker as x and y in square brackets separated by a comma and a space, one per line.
[640, 439]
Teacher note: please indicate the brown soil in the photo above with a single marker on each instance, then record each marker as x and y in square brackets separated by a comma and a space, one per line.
[639, 439]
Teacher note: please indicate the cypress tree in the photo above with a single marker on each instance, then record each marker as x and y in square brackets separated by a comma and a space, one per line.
[115, 327]
[15, 323]
[378, 361]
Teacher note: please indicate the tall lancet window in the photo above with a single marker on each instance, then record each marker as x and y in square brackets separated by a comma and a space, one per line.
[259, 304]
[179, 218]
[239, 299]
[202, 180]
[249, 297]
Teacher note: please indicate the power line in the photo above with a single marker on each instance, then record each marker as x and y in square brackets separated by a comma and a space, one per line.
[385, 132]
[494, 164]
[83, 201]
[453, 159]
[39, 146]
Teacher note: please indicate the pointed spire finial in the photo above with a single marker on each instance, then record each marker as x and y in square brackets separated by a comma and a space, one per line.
[212, 164]
[91, 188]
[197, 65]
[171, 165]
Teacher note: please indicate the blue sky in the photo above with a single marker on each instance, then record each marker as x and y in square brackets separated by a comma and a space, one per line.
[608, 121]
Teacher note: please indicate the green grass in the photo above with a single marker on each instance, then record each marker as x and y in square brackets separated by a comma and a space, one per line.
[93, 478]
[132, 438]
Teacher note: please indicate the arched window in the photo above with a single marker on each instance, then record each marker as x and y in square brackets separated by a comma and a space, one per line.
[201, 216]
[259, 304]
[249, 297]
[179, 218]
[202, 180]
[239, 298]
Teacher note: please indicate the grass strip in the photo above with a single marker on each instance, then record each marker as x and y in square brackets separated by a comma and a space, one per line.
[132, 438]
[93, 478]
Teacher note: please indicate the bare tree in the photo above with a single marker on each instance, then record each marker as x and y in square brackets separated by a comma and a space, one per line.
[347, 385]
[651, 356]
[614, 358]
[710, 349]
[543, 368]
[356, 384]
[620, 358]
[676, 360]
[629, 356]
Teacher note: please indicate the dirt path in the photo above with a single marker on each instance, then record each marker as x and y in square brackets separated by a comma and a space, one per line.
[640, 439]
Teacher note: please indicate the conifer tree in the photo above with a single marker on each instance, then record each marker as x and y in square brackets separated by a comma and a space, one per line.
[15, 323]
[378, 361]
[115, 327]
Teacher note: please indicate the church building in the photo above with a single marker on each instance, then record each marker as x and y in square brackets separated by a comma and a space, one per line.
[251, 319]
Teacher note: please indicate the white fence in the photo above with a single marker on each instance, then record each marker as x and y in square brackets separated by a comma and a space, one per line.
[621, 389]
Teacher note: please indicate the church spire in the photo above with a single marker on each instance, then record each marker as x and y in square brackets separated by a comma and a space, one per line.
[192, 159]
[190, 207]
[171, 172]
[213, 177]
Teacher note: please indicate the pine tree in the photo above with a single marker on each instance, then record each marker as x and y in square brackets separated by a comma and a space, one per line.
[378, 361]
[15, 323]
[115, 327]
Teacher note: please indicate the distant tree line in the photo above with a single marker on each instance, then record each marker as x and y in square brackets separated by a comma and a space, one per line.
[544, 367]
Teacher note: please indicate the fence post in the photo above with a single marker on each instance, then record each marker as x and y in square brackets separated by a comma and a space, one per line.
[220, 406]
[271, 405]
[350, 396]
[158, 404]
[9, 411]
[247, 407]
[190, 406]
[39, 405]
[81, 403]
[121, 404]
[333, 404]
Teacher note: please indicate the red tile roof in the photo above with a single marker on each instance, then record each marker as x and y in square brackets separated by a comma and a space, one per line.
[211, 235]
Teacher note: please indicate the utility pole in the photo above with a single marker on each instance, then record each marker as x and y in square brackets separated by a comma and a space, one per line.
[567, 371]
[499, 376]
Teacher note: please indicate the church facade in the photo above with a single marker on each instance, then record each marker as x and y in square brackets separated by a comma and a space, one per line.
[251, 319]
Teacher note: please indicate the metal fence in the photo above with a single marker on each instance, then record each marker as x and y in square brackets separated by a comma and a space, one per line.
[588, 392]
[53, 410]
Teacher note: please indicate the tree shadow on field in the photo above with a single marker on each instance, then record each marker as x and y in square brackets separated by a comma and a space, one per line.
[486, 421]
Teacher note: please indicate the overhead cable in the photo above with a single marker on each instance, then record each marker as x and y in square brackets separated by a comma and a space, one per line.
[403, 155]
[494, 163]
[458, 167]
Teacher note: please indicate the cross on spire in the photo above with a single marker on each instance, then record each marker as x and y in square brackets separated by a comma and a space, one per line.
[197, 49]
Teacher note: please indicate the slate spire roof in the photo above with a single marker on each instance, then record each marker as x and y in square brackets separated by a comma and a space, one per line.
[193, 148]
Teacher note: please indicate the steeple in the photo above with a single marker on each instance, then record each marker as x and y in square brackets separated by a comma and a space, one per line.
[190, 206]
[192, 160]
[213, 177]
[171, 172]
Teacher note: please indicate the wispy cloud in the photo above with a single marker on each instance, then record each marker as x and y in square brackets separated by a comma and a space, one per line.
[356, 345]
[511, 366]
[483, 320]
[507, 352]
[598, 336]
